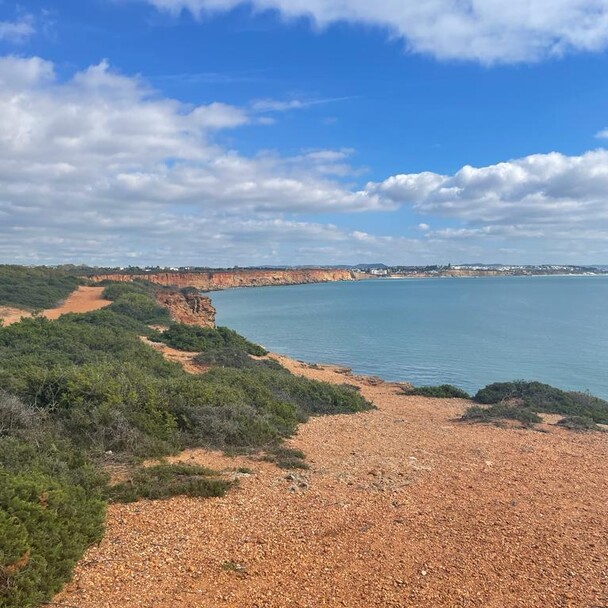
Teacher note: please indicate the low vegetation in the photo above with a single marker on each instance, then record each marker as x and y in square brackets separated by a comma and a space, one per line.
[51, 505]
[579, 423]
[523, 401]
[166, 480]
[192, 338]
[231, 356]
[34, 288]
[540, 397]
[287, 458]
[501, 412]
[442, 391]
[84, 391]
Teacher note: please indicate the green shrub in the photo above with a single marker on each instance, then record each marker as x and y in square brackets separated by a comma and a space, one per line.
[544, 398]
[166, 480]
[194, 338]
[291, 463]
[287, 458]
[579, 423]
[142, 308]
[50, 511]
[106, 407]
[226, 356]
[493, 413]
[116, 290]
[443, 391]
[235, 357]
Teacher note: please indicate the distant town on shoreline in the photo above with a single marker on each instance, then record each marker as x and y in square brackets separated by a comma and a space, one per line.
[367, 270]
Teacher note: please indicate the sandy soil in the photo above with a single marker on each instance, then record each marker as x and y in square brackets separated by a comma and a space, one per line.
[84, 299]
[401, 507]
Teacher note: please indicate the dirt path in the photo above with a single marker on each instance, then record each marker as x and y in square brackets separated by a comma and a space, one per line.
[401, 507]
[84, 299]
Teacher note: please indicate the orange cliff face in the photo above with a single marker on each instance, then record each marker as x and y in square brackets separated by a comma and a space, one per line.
[226, 279]
[190, 309]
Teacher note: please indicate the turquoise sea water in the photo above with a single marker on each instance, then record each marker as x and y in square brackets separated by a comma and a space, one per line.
[467, 332]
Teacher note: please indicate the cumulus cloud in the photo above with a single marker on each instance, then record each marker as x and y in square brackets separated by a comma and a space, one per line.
[488, 31]
[102, 165]
[541, 189]
[554, 206]
[101, 168]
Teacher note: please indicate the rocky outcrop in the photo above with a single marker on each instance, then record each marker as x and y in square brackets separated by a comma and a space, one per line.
[188, 308]
[226, 279]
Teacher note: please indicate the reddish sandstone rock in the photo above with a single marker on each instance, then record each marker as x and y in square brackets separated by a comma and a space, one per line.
[225, 279]
[189, 308]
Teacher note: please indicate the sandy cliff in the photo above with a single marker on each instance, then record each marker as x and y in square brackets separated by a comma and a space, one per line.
[209, 281]
[189, 308]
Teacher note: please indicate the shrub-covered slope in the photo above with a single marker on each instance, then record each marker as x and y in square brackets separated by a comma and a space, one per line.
[84, 390]
[34, 288]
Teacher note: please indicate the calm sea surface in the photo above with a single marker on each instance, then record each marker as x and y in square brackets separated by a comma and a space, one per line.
[467, 332]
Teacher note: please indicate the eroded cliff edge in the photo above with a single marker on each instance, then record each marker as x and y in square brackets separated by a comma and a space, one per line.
[226, 279]
[188, 308]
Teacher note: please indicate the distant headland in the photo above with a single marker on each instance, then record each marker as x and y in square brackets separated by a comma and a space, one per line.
[211, 279]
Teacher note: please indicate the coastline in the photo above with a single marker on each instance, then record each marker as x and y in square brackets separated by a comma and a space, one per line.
[435, 331]
[400, 506]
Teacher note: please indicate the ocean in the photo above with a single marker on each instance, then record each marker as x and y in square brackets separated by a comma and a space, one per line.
[465, 331]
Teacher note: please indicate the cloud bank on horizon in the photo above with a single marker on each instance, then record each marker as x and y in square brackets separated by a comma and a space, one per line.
[489, 31]
[100, 167]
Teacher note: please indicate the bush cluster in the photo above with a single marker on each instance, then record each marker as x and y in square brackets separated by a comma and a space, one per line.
[166, 480]
[442, 391]
[195, 339]
[541, 397]
[501, 412]
[579, 423]
[34, 288]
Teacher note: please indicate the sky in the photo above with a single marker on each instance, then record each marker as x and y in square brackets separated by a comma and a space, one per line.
[274, 132]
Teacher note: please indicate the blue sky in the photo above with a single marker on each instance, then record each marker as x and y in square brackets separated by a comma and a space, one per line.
[221, 132]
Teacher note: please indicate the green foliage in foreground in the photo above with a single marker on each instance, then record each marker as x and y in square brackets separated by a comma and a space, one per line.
[51, 506]
[192, 338]
[166, 480]
[85, 390]
[34, 288]
[540, 397]
[442, 391]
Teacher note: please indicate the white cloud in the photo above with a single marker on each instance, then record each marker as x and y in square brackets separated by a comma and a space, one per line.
[603, 134]
[101, 165]
[541, 189]
[17, 31]
[553, 207]
[101, 168]
[484, 30]
[274, 105]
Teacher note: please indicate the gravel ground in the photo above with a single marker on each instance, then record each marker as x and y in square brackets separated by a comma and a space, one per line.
[401, 507]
